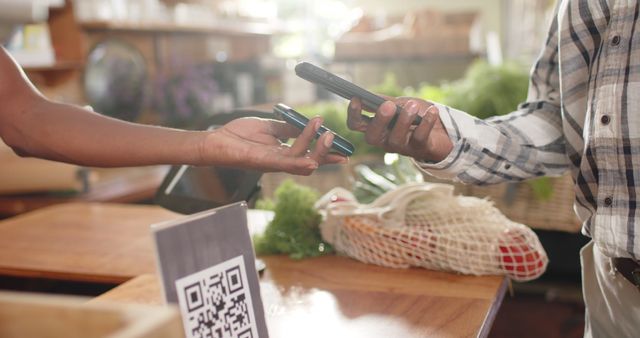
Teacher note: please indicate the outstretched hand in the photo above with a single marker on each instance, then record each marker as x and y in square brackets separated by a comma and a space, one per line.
[427, 141]
[254, 143]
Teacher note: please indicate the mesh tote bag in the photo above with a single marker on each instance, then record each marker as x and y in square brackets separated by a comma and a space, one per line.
[426, 225]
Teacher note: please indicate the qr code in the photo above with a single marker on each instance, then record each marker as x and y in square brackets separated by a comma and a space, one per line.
[216, 302]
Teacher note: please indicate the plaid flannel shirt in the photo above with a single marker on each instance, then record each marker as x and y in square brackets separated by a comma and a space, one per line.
[582, 113]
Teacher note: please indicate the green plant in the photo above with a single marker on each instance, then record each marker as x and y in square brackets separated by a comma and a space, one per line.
[488, 90]
[428, 92]
[389, 86]
[294, 229]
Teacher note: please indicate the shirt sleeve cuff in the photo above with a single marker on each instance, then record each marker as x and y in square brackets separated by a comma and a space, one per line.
[457, 124]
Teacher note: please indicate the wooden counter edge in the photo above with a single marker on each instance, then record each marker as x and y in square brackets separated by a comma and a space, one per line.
[63, 276]
[488, 320]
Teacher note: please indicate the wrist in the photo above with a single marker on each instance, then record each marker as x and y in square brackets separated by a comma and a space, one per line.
[442, 152]
[204, 142]
[220, 147]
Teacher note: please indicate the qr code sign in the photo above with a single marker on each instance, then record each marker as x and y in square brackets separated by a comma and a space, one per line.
[216, 302]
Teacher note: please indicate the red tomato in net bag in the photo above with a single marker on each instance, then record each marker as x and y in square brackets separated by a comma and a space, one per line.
[518, 258]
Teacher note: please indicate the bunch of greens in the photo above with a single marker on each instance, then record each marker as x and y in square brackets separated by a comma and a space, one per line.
[488, 90]
[294, 229]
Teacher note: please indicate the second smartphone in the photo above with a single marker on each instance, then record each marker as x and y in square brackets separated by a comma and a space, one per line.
[287, 114]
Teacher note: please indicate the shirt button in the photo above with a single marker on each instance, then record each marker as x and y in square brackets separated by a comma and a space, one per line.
[507, 166]
[608, 201]
[615, 40]
[605, 119]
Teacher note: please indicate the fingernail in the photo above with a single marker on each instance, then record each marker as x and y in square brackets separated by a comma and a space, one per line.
[433, 114]
[412, 108]
[388, 108]
[318, 123]
[329, 140]
[313, 166]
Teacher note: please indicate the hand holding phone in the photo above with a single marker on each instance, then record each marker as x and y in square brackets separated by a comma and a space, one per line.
[345, 89]
[287, 114]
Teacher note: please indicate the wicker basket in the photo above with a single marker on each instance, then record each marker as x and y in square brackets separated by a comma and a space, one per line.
[518, 202]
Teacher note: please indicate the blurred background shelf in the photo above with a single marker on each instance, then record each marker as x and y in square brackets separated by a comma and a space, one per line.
[167, 48]
[126, 185]
[223, 28]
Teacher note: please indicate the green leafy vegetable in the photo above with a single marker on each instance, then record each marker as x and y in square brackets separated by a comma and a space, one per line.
[294, 229]
[488, 90]
[266, 204]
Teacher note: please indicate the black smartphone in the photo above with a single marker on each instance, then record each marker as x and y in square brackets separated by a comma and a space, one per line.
[344, 88]
[287, 114]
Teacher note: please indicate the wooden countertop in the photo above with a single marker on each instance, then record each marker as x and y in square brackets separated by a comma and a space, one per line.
[339, 297]
[327, 296]
[95, 242]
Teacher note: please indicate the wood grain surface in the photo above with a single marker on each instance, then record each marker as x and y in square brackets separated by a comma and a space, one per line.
[108, 243]
[339, 297]
[328, 296]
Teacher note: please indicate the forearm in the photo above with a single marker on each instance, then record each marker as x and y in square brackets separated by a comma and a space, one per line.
[67, 133]
[525, 144]
[35, 126]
